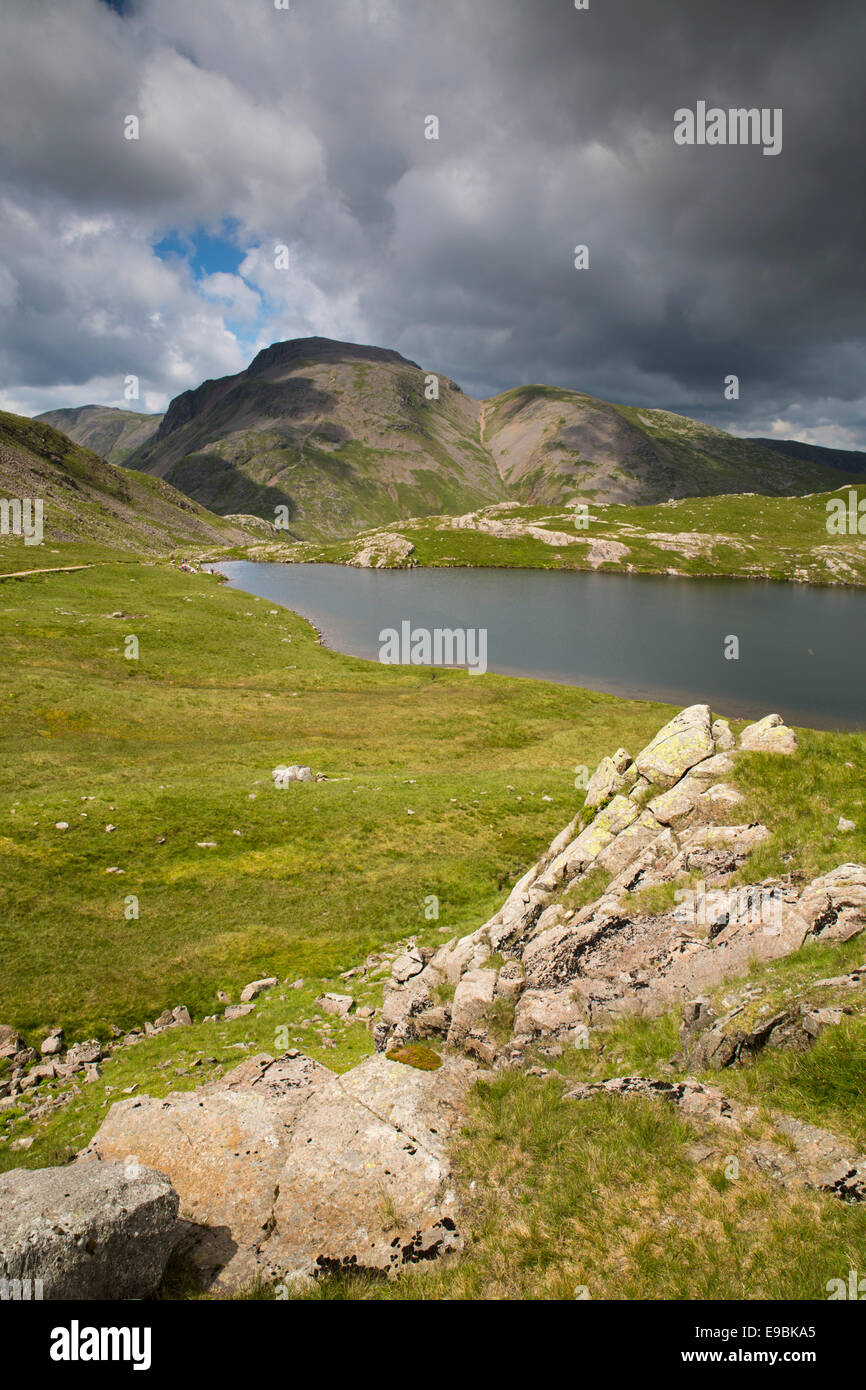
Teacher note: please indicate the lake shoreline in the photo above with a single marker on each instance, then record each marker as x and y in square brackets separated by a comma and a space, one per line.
[348, 618]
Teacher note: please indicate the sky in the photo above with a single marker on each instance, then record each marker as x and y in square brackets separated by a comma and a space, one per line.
[305, 128]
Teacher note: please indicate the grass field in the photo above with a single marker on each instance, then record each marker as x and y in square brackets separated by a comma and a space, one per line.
[235, 879]
[747, 536]
[176, 749]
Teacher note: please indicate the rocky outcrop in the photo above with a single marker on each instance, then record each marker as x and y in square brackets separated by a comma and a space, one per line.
[284, 1169]
[652, 823]
[223, 1147]
[710, 1042]
[87, 1231]
[385, 550]
[367, 1183]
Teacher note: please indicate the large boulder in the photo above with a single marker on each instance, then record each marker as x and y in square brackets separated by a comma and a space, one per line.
[89, 1230]
[366, 1183]
[686, 740]
[769, 735]
[223, 1147]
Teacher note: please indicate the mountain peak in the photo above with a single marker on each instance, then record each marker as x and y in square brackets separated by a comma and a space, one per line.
[295, 350]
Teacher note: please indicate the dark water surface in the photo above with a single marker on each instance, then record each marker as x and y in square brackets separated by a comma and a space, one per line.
[802, 649]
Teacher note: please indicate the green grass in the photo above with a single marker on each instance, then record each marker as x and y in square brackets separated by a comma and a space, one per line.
[602, 1196]
[177, 748]
[745, 537]
[801, 800]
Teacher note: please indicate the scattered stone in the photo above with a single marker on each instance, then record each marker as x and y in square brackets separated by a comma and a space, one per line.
[769, 735]
[237, 1011]
[339, 1004]
[252, 991]
[84, 1054]
[52, 1046]
[845, 825]
[10, 1041]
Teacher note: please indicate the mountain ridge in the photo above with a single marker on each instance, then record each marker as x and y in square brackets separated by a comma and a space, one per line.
[345, 436]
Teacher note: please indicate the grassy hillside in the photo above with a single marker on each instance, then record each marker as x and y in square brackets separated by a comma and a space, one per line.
[744, 536]
[109, 432]
[89, 501]
[551, 444]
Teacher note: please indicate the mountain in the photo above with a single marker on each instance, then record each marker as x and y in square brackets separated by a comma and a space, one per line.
[550, 444]
[339, 433]
[87, 499]
[111, 433]
[851, 460]
[345, 437]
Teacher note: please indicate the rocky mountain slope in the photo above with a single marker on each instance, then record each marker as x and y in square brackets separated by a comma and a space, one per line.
[107, 431]
[337, 433]
[347, 437]
[86, 499]
[551, 445]
[849, 460]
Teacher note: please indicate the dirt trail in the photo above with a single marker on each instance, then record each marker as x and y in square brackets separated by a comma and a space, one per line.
[55, 569]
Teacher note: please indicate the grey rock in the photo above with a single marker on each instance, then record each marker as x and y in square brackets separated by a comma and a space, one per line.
[340, 1005]
[257, 987]
[769, 735]
[10, 1042]
[89, 1230]
[237, 1011]
[84, 1053]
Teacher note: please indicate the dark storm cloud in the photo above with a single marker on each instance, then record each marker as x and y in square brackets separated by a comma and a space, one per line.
[556, 128]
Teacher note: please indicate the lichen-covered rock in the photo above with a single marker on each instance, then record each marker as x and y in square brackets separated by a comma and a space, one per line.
[543, 1013]
[608, 779]
[769, 735]
[223, 1147]
[367, 1183]
[88, 1230]
[687, 739]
